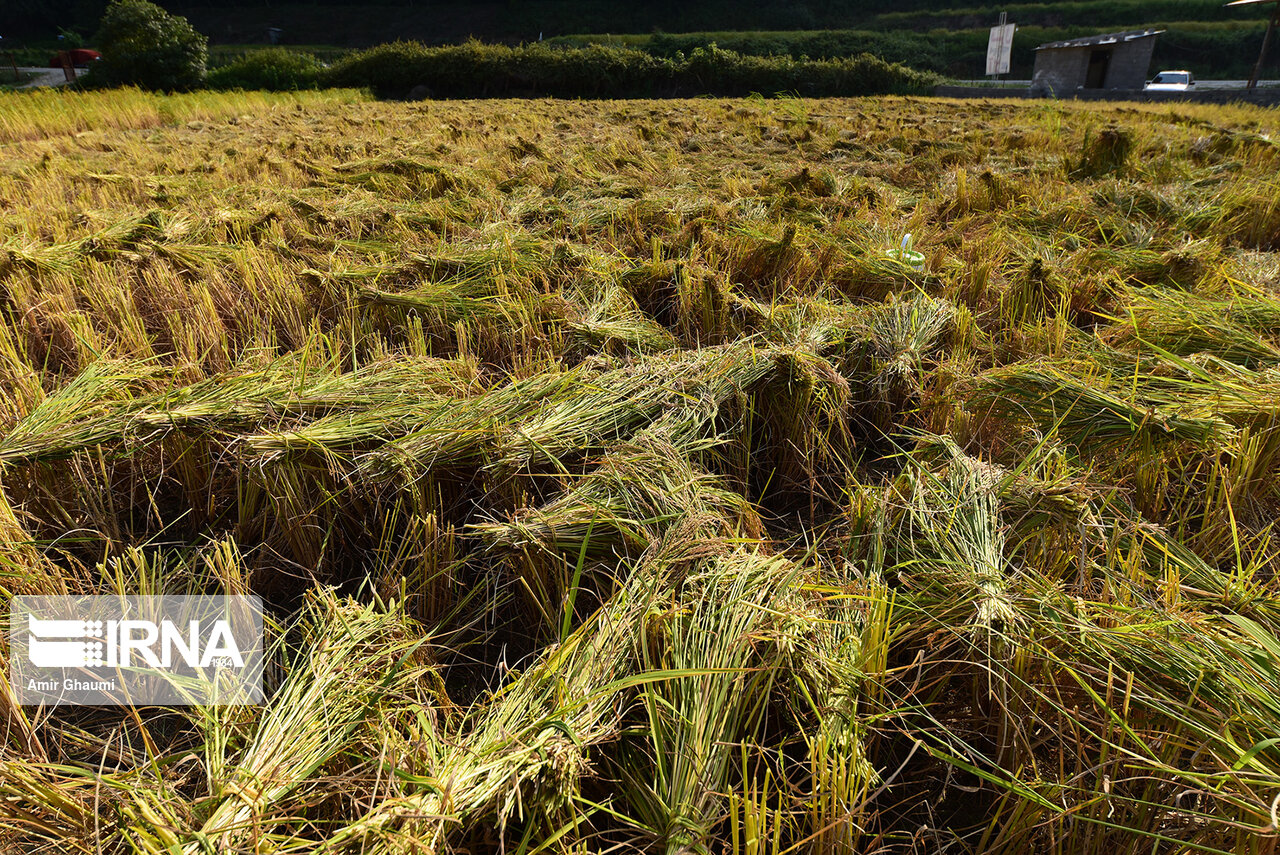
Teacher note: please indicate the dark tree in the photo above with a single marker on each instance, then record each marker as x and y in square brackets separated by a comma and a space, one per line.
[144, 45]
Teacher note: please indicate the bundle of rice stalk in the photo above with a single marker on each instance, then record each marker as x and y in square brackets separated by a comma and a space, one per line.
[1249, 306]
[1135, 264]
[720, 644]
[903, 334]
[396, 176]
[1037, 289]
[447, 303]
[1185, 324]
[629, 502]
[654, 286]
[833, 676]
[1247, 212]
[333, 435]
[353, 660]
[635, 334]
[704, 310]
[946, 545]
[40, 802]
[1248, 402]
[870, 275]
[949, 541]
[1206, 385]
[80, 414]
[819, 323]
[1172, 562]
[19, 251]
[806, 405]
[378, 384]
[1175, 703]
[1085, 412]
[522, 752]
[453, 432]
[609, 320]
[101, 405]
[191, 258]
[1166, 723]
[626, 503]
[123, 234]
[518, 255]
[1103, 154]
[765, 262]
[1043, 486]
[615, 405]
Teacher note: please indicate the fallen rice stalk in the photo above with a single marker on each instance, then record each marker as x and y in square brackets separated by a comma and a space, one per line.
[525, 749]
[582, 415]
[1085, 411]
[107, 403]
[353, 660]
[626, 503]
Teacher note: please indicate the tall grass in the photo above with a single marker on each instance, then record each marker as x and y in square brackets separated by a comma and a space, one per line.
[47, 112]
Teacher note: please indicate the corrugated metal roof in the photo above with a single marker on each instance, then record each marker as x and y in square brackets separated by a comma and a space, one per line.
[1104, 39]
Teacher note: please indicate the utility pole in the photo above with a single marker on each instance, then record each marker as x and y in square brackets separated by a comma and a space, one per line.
[1004, 19]
[1272, 20]
[1266, 43]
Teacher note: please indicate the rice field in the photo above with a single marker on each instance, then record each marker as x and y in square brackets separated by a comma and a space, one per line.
[611, 487]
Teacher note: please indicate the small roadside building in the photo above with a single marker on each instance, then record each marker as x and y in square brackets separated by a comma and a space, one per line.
[1108, 61]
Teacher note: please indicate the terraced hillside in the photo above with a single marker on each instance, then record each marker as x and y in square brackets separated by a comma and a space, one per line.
[611, 488]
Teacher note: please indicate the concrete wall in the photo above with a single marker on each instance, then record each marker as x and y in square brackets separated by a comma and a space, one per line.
[1264, 97]
[1059, 71]
[1129, 64]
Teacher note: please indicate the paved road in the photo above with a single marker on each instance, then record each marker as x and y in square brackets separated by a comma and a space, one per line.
[1232, 84]
[44, 76]
[1201, 85]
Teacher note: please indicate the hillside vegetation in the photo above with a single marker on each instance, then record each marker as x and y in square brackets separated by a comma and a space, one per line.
[611, 487]
[948, 38]
[1212, 50]
[359, 24]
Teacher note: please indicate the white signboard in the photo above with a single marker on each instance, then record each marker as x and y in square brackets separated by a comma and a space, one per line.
[999, 48]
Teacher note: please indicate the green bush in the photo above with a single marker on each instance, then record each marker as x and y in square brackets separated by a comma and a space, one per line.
[276, 69]
[475, 70]
[143, 45]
